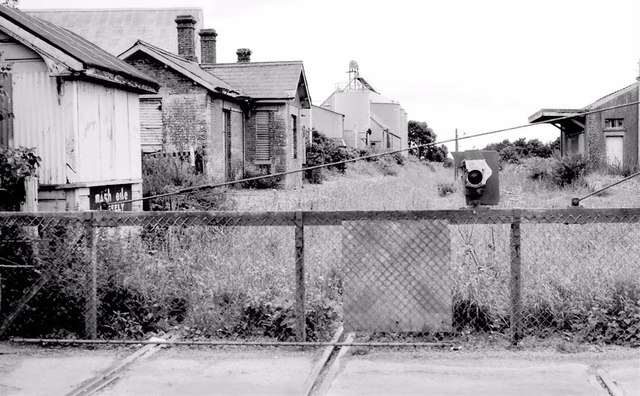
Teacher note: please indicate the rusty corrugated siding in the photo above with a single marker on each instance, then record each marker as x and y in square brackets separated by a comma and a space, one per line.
[40, 122]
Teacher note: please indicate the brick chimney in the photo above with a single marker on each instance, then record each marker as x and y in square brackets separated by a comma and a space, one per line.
[208, 46]
[186, 37]
[244, 55]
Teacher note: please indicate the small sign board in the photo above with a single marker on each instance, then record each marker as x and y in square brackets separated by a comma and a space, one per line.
[112, 195]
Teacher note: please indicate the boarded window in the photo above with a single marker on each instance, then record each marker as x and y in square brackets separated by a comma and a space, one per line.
[263, 139]
[614, 150]
[151, 124]
[294, 128]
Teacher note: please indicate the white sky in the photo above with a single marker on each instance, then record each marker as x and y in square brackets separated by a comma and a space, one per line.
[467, 64]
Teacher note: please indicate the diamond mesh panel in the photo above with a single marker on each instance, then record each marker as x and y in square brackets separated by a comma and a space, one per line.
[396, 276]
[248, 276]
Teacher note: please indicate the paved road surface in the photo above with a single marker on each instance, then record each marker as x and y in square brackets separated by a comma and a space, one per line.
[29, 370]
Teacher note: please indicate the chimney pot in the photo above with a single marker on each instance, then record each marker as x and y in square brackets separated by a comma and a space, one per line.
[186, 37]
[208, 45]
[244, 55]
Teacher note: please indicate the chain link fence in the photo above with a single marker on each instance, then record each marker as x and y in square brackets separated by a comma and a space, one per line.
[287, 276]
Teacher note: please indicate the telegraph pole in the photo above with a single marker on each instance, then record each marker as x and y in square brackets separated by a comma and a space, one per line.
[455, 168]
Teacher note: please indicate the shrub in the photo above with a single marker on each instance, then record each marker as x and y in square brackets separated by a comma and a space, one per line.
[447, 163]
[323, 150]
[445, 189]
[15, 165]
[539, 168]
[520, 149]
[251, 171]
[161, 175]
[568, 169]
[509, 155]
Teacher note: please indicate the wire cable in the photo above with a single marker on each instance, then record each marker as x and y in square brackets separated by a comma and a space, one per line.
[278, 174]
[576, 201]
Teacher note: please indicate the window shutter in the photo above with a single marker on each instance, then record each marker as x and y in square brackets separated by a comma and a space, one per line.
[263, 141]
[151, 124]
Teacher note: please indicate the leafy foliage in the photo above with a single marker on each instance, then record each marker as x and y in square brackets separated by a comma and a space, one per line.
[15, 165]
[568, 169]
[557, 171]
[251, 171]
[419, 134]
[515, 152]
[161, 175]
[323, 150]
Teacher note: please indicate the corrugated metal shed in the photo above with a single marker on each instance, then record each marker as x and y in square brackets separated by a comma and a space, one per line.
[262, 80]
[116, 30]
[73, 45]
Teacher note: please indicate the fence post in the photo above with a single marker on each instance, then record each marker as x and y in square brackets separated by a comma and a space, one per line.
[299, 275]
[30, 203]
[515, 283]
[91, 302]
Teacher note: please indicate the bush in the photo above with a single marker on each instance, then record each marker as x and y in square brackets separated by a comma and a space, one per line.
[445, 189]
[323, 150]
[161, 175]
[514, 153]
[567, 170]
[558, 171]
[15, 165]
[539, 168]
[251, 170]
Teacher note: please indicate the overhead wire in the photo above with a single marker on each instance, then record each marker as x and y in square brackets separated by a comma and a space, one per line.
[576, 201]
[366, 157]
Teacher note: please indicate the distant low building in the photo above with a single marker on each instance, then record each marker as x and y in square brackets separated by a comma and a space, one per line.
[78, 106]
[371, 120]
[327, 122]
[609, 137]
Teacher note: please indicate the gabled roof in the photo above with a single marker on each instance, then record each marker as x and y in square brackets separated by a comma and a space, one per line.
[265, 80]
[78, 55]
[545, 115]
[612, 95]
[116, 30]
[189, 69]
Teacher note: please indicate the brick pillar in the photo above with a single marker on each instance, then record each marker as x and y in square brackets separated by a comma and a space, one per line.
[208, 46]
[244, 55]
[186, 37]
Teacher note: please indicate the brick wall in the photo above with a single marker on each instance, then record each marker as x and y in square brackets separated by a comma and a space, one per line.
[281, 142]
[595, 130]
[187, 114]
[170, 81]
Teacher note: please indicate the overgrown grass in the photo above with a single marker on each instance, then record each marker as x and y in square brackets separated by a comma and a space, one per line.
[233, 281]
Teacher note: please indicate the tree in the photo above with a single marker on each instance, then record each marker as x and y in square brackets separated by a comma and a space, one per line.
[419, 134]
[521, 148]
[10, 3]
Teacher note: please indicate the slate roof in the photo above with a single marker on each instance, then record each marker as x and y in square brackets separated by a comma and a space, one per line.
[185, 67]
[116, 30]
[544, 115]
[606, 98]
[262, 80]
[90, 55]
